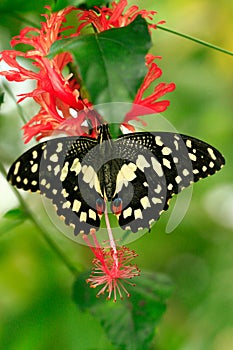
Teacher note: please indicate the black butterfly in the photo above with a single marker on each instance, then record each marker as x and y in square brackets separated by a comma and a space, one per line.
[137, 173]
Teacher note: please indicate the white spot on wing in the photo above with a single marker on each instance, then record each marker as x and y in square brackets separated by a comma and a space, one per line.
[157, 166]
[141, 162]
[145, 202]
[76, 166]
[83, 216]
[127, 212]
[166, 163]
[59, 147]
[156, 200]
[92, 214]
[176, 145]
[211, 165]
[34, 168]
[185, 172]
[192, 157]
[138, 214]
[16, 168]
[189, 143]
[158, 141]
[64, 193]
[56, 169]
[158, 189]
[64, 171]
[128, 171]
[126, 174]
[43, 182]
[88, 173]
[66, 205]
[53, 158]
[34, 154]
[166, 151]
[170, 187]
[204, 168]
[211, 153]
[76, 205]
[178, 179]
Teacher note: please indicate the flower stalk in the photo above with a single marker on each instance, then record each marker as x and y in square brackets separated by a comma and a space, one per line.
[196, 40]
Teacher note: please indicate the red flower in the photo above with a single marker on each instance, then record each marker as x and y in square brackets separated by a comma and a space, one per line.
[149, 104]
[111, 269]
[57, 96]
[112, 16]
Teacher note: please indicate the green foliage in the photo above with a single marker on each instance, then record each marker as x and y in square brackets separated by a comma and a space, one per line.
[111, 63]
[12, 219]
[1, 98]
[22, 6]
[91, 3]
[130, 324]
[60, 4]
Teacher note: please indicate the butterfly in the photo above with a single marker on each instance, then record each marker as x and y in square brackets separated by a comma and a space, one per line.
[135, 175]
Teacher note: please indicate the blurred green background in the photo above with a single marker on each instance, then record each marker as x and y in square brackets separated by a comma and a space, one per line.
[36, 309]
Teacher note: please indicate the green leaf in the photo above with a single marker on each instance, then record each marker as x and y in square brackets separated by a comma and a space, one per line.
[23, 6]
[1, 98]
[111, 63]
[88, 4]
[91, 3]
[12, 219]
[129, 324]
[61, 4]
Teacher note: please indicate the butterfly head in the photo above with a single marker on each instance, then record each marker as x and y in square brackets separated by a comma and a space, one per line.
[103, 132]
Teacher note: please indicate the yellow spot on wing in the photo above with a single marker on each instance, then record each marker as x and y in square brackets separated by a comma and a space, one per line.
[64, 171]
[34, 154]
[211, 153]
[138, 214]
[53, 158]
[83, 216]
[76, 205]
[145, 202]
[16, 168]
[76, 166]
[127, 212]
[34, 168]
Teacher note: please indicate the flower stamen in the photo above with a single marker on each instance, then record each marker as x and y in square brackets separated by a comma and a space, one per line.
[112, 268]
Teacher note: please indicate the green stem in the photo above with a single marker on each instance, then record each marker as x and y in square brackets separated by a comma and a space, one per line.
[43, 231]
[19, 108]
[202, 42]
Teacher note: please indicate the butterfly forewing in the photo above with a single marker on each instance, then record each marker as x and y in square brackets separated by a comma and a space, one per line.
[55, 169]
